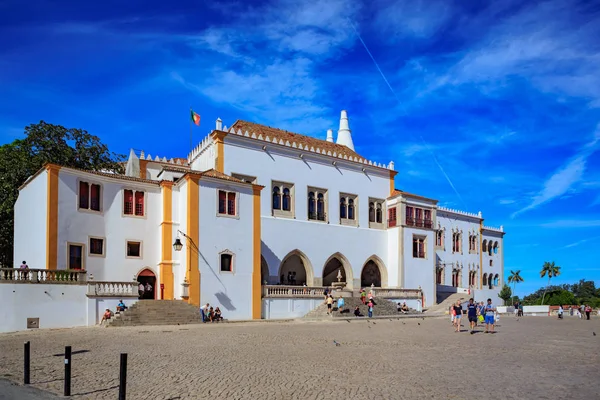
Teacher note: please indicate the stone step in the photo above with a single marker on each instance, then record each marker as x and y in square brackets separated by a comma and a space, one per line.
[382, 307]
[157, 312]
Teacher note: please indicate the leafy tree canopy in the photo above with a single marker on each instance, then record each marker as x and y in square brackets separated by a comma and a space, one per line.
[44, 143]
[505, 294]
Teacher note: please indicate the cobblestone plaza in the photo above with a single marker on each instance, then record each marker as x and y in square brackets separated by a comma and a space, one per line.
[530, 358]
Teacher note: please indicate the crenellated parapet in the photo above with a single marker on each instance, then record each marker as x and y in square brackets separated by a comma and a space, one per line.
[201, 148]
[493, 229]
[458, 212]
[311, 149]
[173, 161]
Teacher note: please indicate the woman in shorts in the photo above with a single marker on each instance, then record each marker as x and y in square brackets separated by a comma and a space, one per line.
[458, 311]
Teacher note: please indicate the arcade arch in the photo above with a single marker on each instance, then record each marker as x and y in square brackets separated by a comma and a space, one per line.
[373, 273]
[296, 269]
[337, 262]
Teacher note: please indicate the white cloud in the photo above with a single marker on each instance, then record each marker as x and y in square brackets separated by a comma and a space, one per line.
[573, 223]
[562, 181]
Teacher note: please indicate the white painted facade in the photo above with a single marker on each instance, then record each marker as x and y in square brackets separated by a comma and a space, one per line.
[310, 245]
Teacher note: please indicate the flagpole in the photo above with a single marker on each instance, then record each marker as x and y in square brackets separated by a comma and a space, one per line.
[191, 140]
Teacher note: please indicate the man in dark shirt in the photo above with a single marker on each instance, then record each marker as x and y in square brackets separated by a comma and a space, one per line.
[472, 311]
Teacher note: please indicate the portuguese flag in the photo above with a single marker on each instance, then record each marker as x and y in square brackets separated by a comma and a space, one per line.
[195, 117]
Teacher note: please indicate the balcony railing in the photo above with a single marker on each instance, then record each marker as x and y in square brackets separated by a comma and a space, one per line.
[112, 289]
[19, 275]
[419, 222]
[282, 291]
[317, 216]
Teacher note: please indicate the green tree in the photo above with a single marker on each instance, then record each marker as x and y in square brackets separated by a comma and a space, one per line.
[505, 294]
[551, 270]
[44, 143]
[584, 291]
[514, 278]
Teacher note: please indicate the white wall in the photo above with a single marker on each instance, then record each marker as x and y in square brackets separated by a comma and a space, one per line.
[466, 225]
[496, 258]
[76, 226]
[317, 240]
[288, 308]
[420, 271]
[232, 292]
[30, 223]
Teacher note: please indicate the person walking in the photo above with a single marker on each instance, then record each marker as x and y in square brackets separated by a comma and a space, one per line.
[560, 312]
[588, 312]
[329, 302]
[370, 305]
[489, 316]
[457, 316]
[472, 312]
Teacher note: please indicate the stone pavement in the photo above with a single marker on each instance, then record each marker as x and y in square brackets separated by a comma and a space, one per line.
[12, 391]
[529, 358]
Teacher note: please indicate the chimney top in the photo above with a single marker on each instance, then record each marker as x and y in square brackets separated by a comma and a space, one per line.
[330, 135]
[219, 126]
[344, 134]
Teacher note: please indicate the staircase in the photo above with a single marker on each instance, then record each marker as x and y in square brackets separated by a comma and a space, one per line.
[442, 308]
[383, 307]
[157, 312]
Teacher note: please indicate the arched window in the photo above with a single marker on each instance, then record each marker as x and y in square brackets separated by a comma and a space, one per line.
[371, 212]
[343, 208]
[350, 209]
[286, 200]
[276, 198]
[321, 207]
[378, 214]
[485, 279]
[484, 246]
[490, 248]
[496, 248]
[311, 205]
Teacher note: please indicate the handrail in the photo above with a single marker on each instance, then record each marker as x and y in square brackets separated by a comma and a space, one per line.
[26, 275]
[112, 289]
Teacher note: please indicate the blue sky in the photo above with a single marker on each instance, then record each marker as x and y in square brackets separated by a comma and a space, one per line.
[504, 95]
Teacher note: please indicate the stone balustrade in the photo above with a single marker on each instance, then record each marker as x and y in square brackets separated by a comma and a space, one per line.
[293, 291]
[63, 276]
[112, 289]
[392, 293]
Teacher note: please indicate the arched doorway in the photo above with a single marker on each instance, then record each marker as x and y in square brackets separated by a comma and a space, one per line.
[147, 278]
[335, 263]
[264, 271]
[373, 273]
[295, 269]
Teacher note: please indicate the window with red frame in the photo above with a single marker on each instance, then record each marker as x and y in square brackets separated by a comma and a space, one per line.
[139, 203]
[392, 216]
[89, 196]
[227, 202]
[128, 202]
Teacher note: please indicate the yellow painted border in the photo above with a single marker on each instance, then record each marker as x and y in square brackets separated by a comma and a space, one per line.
[193, 223]
[218, 137]
[52, 217]
[480, 255]
[166, 264]
[256, 259]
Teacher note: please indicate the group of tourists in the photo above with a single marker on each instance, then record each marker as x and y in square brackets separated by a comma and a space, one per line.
[210, 314]
[580, 311]
[340, 303]
[476, 313]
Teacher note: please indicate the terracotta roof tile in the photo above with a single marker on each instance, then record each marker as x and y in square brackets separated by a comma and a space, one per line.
[212, 173]
[309, 141]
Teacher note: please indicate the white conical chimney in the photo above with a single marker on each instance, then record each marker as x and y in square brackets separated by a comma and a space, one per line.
[133, 165]
[330, 135]
[219, 124]
[344, 135]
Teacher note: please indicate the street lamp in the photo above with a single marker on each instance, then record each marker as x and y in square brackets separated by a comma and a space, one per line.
[177, 246]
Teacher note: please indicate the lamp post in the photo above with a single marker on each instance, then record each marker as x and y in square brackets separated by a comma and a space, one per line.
[177, 246]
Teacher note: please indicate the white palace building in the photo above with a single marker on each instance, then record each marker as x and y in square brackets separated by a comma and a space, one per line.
[256, 220]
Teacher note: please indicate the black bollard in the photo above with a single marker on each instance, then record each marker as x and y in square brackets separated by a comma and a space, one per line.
[67, 391]
[26, 364]
[123, 377]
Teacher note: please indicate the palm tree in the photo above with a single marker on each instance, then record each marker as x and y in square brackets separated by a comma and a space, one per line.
[550, 269]
[514, 278]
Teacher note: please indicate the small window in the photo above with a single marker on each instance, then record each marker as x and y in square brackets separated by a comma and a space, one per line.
[226, 262]
[96, 246]
[491, 263]
[282, 199]
[89, 196]
[316, 204]
[419, 246]
[348, 215]
[134, 249]
[376, 213]
[227, 203]
[139, 204]
[128, 202]
[75, 256]
[392, 217]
